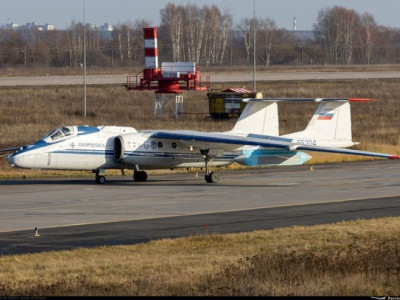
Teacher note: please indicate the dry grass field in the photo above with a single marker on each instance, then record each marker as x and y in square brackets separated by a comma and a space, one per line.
[348, 258]
[358, 258]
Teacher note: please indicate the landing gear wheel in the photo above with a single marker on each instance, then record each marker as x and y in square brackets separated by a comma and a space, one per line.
[100, 179]
[140, 176]
[212, 178]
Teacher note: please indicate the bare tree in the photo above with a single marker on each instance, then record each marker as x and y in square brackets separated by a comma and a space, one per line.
[225, 27]
[194, 32]
[338, 29]
[172, 18]
[267, 29]
[370, 30]
[245, 28]
[76, 43]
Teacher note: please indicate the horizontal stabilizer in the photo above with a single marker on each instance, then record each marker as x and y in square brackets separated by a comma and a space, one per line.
[307, 99]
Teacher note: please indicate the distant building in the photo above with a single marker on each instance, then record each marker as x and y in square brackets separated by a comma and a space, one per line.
[45, 27]
[31, 25]
[91, 27]
[12, 25]
[48, 27]
[303, 35]
[106, 27]
[106, 31]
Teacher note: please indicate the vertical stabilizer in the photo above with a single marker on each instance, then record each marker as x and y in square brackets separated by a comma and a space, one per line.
[258, 117]
[330, 125]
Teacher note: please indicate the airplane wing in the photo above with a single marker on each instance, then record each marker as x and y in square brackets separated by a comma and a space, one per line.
[225, 140]
[10, 149]
[305, 99]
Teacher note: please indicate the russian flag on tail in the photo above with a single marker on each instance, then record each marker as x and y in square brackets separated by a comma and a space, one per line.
[325, 117]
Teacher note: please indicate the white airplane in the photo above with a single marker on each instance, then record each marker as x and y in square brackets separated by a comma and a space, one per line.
[253, 141]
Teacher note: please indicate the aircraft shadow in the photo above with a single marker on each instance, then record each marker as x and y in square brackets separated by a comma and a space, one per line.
[127, 182]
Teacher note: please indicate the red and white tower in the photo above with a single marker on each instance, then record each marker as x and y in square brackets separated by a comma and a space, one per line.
[150, 48]
[169, 81]
[150, 55]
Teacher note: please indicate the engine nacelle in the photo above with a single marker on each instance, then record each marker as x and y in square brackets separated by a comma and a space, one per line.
[119, 148]
[129, 149]
[272, 157]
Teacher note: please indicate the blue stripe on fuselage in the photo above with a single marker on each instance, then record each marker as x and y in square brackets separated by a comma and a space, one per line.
[139, 153]
[83, 130]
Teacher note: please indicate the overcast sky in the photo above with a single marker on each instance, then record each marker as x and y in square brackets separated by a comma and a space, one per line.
[61, 12]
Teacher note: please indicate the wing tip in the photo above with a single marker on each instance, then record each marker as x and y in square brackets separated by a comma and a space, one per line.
[394, 157]
[361, 100]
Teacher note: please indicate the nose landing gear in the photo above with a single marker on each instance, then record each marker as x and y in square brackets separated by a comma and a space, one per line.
[100, 179]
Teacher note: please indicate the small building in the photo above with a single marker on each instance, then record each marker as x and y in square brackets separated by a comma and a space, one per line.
[227, 103]
[106, 31]
[12, 25]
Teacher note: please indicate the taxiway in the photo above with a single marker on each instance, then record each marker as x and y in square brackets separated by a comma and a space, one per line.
[77, 212]
[215, 77]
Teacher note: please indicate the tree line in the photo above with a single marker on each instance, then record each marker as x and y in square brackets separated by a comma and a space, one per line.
[208, 36]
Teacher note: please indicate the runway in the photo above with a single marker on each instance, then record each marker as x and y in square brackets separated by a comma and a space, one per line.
[214, 77]
[77, 212]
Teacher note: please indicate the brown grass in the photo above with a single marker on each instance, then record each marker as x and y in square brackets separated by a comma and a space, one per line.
[348, 258]
[27, 113]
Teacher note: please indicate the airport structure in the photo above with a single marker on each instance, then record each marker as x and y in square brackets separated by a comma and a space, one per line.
[168, 81]
[227, 103]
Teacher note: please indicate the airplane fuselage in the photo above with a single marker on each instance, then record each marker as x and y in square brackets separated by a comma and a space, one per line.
[91, 148]
[113, 147]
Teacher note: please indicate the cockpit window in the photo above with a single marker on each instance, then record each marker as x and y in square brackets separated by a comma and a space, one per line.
[59, 133]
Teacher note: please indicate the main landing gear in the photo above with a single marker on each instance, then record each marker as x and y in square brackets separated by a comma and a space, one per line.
[139, 176]
[100, 179]
[210, 177]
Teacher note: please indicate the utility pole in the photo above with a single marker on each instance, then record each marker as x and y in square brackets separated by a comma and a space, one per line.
[84, 58]
[254, 46]
[25, 57]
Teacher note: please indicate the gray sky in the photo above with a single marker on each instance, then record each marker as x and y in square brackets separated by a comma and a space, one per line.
[61, 12]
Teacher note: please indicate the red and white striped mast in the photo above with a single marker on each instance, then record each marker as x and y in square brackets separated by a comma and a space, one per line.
[150, 48]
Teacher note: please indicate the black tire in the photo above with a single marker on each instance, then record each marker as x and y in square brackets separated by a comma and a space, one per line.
[212, 178]
[140, 176]
[207, 178]
[100, 179]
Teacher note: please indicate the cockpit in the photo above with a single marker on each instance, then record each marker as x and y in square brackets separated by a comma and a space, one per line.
[59, 134]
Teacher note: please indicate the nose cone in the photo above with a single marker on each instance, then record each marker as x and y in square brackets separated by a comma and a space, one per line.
[11, 160]
[27, 160]
[16, 160]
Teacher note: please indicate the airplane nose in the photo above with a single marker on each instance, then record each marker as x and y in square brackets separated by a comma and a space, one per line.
[22, 160]
[28, 160]
[11, 160]
[15, 160]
